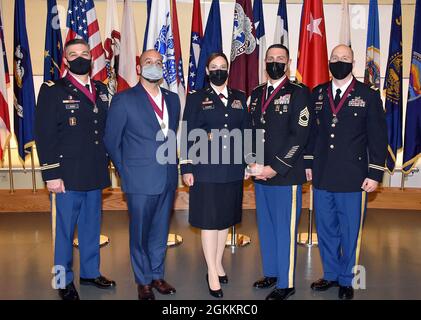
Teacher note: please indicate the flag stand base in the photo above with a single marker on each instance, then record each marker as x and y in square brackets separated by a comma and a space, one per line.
[103, 241]
[174, 240]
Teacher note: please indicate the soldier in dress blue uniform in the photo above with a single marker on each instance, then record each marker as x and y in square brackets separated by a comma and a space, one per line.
[216, 187]
[69, 127]
[349, 147]
[280, 109]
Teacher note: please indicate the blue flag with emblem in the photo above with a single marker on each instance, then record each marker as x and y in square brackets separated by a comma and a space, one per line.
[393, 87]
[23, 86]
[148, 14]
[211, 42]
[53, 44]
[412, 147]
[372, 65]
[259, 25]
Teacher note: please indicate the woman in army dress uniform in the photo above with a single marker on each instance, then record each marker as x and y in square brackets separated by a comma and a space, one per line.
[216, 187]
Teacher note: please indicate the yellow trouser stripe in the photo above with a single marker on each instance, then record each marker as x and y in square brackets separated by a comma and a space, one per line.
[292, 237]
[357, 253]
[53, 220]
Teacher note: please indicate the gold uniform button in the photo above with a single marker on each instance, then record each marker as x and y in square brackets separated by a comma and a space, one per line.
[225, 147]
[263, 140]
[95, 121]
[332, 135]
[225, 125]
[226, 115]
[96, 132]
[332, 146]
[96, 142]
[333, 125]
[225, 136]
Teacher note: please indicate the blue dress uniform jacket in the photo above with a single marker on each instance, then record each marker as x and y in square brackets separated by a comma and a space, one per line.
[355, 147]
[69, 135]
[286, 127]
[205, 110]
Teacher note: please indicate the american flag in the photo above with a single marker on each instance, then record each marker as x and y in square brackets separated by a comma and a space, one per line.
[82, 23]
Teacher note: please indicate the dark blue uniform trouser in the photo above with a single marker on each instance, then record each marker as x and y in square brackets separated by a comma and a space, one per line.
[278, 213]
[84, 210]
[149, 226]
[339, 221]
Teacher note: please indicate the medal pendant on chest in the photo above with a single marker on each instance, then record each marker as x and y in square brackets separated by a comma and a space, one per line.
[95, 109]
[163, 126]
[335, 119]
[262, 120]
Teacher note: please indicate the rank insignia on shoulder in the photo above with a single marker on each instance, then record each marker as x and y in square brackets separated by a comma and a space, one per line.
[236, 104]
[50, 83]
[296, 83]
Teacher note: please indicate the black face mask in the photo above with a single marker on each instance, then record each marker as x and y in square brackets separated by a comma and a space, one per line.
[218, 77]
[80, 66]
[275, 70]
[340, 70]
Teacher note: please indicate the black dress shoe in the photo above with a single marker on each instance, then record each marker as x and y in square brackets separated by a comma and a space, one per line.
[223, 279]
[214, 293]
[100, 282]
[323, 285]
[69, 293]
[346, 293]
[265, 282]
[280, 294]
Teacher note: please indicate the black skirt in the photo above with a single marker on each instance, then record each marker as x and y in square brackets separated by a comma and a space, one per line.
[215, 206]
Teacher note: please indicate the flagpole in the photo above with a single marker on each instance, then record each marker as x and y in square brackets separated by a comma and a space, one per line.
[403, 180]
[34, 183]
[236, 240]
[12, 185]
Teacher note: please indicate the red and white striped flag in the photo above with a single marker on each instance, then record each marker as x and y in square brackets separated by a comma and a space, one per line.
[4, 108]
[83, 24]
[129, 51]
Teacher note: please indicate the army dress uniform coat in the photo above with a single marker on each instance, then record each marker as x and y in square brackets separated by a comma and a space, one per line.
[69, 131]
[352, 147]
[216, 196]
[285, 125]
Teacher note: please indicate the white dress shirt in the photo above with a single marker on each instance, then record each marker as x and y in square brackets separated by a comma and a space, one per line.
[84, 84]
[165, 120]
[274, 85]
[224, 92]
[343, 88]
